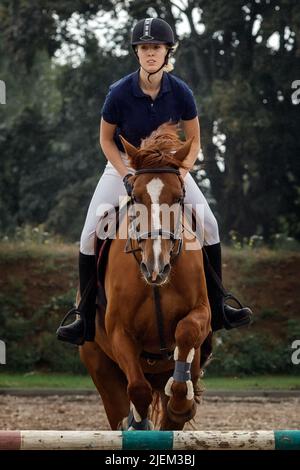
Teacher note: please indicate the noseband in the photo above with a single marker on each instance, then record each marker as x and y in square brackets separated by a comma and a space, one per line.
[155, 234]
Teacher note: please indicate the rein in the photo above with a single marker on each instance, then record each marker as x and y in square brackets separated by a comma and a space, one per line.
[155, 234]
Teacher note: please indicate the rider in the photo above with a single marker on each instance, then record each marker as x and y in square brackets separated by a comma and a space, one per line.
[134, 107]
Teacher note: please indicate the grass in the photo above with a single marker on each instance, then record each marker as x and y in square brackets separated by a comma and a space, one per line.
[250, 256]
[27, 249]
[272, 382]
[42, 380]
[13, 251]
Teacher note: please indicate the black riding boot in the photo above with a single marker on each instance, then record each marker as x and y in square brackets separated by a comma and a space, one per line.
[223, 316]
[83, 328]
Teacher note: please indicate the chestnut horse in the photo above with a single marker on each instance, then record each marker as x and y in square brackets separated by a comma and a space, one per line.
[148, 343]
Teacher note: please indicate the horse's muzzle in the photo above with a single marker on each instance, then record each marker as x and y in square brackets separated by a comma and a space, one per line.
[153, 277]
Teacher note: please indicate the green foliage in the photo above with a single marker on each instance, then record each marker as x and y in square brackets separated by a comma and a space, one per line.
[293, 329]
[246, 353]
[50, 156]
[278, 241]
[30, 313]
[271, 314]
[31, 342]
[28, 234]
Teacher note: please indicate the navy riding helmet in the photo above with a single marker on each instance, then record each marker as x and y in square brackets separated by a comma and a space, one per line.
[153, 31]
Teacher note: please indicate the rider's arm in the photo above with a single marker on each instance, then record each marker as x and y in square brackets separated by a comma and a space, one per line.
[191, 128]
[109, 147]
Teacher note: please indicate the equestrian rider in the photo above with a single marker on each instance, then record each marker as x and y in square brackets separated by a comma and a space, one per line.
[134, 107]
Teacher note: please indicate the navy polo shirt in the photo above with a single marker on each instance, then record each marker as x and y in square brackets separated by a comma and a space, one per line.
[137, 115]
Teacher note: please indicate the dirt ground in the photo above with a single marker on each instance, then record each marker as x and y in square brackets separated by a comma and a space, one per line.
[87, 412]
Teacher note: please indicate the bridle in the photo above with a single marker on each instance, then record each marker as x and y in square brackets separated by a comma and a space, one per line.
[164, 352]
[175, 236]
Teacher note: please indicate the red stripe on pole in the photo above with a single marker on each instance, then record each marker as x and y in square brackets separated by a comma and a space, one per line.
[10, 440]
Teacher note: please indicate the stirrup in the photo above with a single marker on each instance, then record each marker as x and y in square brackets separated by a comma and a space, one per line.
[243, 320]
[73, 311]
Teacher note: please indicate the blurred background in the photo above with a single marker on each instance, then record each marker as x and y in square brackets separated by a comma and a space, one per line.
[242, 60]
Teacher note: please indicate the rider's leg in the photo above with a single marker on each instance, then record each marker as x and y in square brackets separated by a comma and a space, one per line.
[234, 317]
[75, 332]
[110, 187]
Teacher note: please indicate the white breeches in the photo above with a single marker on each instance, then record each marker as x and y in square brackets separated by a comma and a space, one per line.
[110, 187]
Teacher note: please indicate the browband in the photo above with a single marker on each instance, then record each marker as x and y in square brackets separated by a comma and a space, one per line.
[157, 170]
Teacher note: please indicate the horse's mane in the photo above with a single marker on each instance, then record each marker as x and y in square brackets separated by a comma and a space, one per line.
[156, 151]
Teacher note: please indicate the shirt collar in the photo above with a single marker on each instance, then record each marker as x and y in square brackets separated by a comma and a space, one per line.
[164, 88]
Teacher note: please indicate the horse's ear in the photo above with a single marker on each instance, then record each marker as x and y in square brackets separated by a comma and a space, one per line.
[184, 150]
[130, 149]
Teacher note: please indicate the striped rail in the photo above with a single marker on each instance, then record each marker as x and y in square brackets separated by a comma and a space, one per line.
[150, 440]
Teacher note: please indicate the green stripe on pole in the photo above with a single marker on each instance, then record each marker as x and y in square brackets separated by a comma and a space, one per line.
[287, 440]
[147, 440]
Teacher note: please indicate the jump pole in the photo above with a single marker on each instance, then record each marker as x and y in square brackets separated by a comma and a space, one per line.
[150, 440]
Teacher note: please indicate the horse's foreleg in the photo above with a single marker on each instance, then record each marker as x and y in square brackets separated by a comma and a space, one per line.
[109, 380]
[190, 333]
[139, 390]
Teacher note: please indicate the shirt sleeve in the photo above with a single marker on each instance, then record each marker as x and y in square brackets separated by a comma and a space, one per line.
[110, 111]
[190, 107]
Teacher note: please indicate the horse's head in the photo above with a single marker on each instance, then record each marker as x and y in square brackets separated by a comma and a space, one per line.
[158, 193]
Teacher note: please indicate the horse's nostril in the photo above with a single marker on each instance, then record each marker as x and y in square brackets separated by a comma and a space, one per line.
[144, 269]
[166, 270]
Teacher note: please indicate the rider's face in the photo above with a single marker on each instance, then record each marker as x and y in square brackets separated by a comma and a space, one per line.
[151, 56]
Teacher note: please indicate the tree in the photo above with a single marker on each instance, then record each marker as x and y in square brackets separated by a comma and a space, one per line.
[249, 124]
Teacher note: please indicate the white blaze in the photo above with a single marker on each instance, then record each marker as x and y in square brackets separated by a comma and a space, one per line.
[156, 251]
[154, 188]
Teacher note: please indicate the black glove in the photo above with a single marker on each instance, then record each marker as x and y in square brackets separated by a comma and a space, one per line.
[127, 184]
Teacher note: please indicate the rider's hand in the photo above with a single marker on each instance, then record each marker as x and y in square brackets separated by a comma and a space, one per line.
[128, 184]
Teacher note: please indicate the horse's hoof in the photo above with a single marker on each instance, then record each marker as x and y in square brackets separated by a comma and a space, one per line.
[123, 425]
[181, 417]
